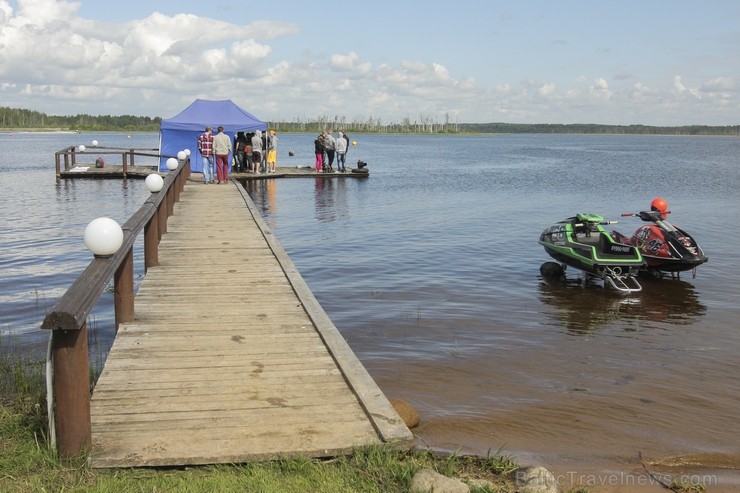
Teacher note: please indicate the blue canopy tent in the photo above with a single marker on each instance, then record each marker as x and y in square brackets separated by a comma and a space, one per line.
[182, 130]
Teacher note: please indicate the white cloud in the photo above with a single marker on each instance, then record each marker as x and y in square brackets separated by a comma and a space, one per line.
[344, 62]
[719, 84]
[350, 63]
[600, 89]
[441, 72]
[678, 85]
[5, 12]
[546, 89]
[640, 92]
[680, 89]
[503, 88]
[55, 61]
[43, 13]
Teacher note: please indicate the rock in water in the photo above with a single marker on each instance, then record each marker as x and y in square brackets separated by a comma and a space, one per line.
[536, 479]
[408, 414]
[429, 481]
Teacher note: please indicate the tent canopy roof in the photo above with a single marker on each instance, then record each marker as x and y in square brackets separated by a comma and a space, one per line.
[203, 112]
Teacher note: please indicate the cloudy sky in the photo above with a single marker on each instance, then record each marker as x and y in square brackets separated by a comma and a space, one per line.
[653, 62]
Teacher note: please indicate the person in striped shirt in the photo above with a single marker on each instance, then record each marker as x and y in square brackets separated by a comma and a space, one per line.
[205, 146]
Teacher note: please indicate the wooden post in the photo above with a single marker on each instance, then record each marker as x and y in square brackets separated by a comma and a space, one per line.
[123, 291]
[162, 218]
[58, 163]
[170, 200]
[176, 187]
[184, 175]
[182, 178]
[131, 158]
[151, 243]
[124, 164]
[72, 391]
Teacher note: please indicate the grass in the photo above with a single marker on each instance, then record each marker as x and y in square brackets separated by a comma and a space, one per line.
[685, 486]
[28, 464]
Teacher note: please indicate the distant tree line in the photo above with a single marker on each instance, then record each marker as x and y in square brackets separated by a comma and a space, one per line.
[425, 124]
[15, 118]
[592, 128]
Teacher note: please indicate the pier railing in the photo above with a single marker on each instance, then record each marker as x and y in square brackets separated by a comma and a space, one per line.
[68, 318]
[68, 156]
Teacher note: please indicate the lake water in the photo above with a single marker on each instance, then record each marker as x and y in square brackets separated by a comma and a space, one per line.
[430, 270]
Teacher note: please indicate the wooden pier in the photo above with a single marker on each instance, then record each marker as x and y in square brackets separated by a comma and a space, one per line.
[230, 358]
[73, 162]
[119, 171]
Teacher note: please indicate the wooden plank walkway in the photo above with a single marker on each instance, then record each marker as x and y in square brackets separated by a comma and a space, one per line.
[231, 358]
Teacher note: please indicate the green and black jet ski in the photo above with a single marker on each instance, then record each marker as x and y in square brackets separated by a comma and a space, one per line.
[582, 243]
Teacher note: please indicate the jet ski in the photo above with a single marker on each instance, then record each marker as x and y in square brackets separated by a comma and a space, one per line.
[581, 242]
[665, 247]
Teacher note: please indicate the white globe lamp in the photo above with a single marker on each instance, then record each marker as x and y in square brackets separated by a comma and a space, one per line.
[154, 182]
[181, 156]
[81, 148]
[171, 164]
[103, 237]
[95, 143]
[187, 152]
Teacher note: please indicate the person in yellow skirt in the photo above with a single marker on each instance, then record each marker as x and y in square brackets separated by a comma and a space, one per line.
[272, 142]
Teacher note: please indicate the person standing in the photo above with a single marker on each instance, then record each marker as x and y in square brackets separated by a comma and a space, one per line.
[318, 149]
[341, 148]
[346, 139]
[272, 142]
[240, 158]
[205, 147]
[330, 145]
[248, 152]
[222, 148]
[256, 152]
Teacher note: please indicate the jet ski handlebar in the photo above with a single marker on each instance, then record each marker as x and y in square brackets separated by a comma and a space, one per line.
[653, 217]
[581, 225]
[647, 216]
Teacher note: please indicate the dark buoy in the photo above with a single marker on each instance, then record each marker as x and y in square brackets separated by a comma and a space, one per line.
[361, 168]
[291, 153]
[552, 270]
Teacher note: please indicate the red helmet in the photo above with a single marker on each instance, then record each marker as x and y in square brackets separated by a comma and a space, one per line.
[659, 204]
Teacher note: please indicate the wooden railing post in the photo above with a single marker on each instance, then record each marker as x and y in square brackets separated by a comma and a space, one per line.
[151, 243]
[72, 391]
[182, 178]
[123, 291]
[170, 200]
[124, 164]
[177, 188]
[162, 218]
